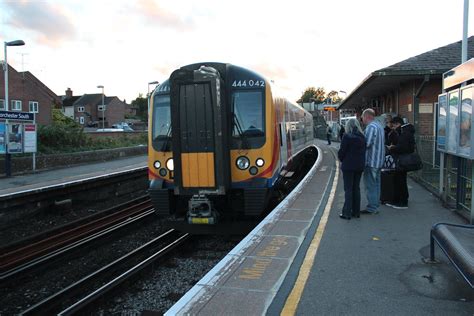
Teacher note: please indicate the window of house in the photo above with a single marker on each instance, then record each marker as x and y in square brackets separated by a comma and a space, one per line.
[80, 109]
[16, 105]
[33, 107]
[81, 120]
[2, 105]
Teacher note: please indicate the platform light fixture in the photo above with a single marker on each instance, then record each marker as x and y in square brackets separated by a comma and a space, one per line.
[103, 106]
[8, 170]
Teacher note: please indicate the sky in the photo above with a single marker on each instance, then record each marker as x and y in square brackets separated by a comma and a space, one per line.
[123, 44]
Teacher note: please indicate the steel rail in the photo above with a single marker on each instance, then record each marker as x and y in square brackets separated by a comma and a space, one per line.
[75, 243]
[51, 302]
[27, 252]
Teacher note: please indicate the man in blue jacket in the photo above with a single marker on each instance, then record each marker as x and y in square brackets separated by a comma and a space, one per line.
[374, 159]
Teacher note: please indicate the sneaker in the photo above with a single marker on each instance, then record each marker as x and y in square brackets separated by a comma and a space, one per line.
[369, 212]
[390, 204]
[400, 206]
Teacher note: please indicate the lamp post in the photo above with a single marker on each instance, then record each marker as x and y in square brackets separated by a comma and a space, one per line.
[103, 106]
[8, 171]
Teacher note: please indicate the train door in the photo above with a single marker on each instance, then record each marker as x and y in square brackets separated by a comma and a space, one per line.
[199, 120]
[282, 131]
[197, 137]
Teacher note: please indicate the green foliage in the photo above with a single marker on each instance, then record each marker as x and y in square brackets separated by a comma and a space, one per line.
[319, 95]
[65, 135]
[141, 104]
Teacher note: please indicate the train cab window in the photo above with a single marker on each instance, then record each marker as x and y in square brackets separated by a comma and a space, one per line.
[248, 129]
[162, 123]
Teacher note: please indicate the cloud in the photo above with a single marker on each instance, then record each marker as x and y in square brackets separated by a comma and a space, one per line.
[271, 72]
[49, 22]
[157, 15]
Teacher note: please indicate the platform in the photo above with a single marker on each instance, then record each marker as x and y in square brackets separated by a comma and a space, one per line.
[42, 179]
[303, 259]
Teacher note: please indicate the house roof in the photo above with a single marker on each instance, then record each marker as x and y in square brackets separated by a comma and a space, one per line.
[70, 101]
[94, 99]
[433, 63]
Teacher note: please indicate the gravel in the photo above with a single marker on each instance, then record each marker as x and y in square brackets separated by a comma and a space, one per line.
[34, 286]
[159, 288]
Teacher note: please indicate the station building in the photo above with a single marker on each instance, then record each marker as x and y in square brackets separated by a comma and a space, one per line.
[410, 88]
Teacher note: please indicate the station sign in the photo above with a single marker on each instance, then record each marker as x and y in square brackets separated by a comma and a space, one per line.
[17, 116]
[329, 108]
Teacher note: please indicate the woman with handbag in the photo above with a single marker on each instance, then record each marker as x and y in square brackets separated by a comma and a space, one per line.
[405, 145]
[352, 157]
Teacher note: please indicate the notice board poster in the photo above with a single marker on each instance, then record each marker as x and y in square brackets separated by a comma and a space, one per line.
[29, 135]
[15, 138]
[3, 138]
[465, 121]
[453, 121]
[442, 113]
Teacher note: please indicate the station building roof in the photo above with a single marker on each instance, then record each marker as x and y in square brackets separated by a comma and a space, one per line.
[433, 63]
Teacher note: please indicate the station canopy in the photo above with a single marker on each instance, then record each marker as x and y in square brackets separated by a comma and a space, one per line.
[432, 63]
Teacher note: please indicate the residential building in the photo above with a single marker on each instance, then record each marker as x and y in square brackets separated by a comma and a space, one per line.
[88, 110]
[68, 103]
[26, 93]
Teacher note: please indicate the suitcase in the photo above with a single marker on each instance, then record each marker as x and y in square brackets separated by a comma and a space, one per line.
[387, 186]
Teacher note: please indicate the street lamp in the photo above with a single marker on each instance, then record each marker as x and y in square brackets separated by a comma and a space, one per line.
[149, 83]
[8, 171]
[103, 106]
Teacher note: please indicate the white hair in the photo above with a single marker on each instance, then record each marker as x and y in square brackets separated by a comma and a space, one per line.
[352, 124]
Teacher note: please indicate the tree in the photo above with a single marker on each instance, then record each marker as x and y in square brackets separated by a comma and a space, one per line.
[313, 94]
[141, 104]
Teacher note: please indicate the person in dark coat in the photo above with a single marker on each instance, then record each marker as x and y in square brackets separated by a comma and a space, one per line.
[405, 145]
[352, 157]
[342, 130]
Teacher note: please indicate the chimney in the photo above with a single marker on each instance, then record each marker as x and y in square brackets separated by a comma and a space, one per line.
[68, 93]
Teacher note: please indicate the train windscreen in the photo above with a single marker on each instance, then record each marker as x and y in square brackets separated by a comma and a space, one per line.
[248, 119]
[162, 123]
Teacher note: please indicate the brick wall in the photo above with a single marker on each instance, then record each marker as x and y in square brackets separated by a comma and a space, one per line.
[115, 111]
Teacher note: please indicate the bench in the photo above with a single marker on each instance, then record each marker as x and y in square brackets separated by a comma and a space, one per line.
[457, 242]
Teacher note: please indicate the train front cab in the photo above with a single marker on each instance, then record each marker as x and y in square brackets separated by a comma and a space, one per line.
[225, 149]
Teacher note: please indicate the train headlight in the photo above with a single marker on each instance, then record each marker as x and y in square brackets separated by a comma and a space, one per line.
[242, 163]
[170, 164]
[157, 164]
[253, 170]
[163, 172]
[260, 162]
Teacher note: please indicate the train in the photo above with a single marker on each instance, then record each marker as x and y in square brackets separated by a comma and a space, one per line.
[220, 141]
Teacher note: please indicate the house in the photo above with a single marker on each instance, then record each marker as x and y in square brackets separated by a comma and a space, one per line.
[68, 103]
[26, 93]
[90, 111]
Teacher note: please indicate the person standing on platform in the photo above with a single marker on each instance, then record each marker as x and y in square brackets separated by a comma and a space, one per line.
[352, 157]
[329, 134]
[405, 145]
[374, 159]
[342, 130]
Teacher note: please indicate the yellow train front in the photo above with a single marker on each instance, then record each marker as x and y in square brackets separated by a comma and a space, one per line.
[218, 143]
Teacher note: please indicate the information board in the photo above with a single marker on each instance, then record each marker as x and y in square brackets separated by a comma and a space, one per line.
[453, 121]
[3, 138]
[15, 138]
[30, 138]
[442, 113]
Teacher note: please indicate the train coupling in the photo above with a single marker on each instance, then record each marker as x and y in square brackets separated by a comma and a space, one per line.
[200, 211]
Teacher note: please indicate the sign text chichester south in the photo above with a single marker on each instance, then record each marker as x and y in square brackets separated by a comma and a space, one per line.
[20, 116]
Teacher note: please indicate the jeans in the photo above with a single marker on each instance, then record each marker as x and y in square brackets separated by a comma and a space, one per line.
[351, 193]
[372, 186]
[401, 189]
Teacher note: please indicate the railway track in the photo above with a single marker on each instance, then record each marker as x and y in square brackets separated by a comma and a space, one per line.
[107, 277]
[44, 247]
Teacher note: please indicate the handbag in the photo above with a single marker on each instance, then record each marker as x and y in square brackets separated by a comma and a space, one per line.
[389, 163]
[409, 162]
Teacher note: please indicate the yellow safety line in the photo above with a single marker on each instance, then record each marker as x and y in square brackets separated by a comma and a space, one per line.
[293, 299]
